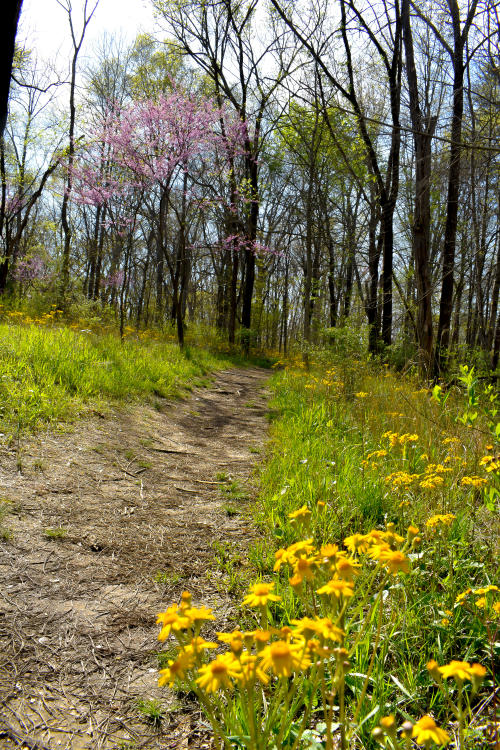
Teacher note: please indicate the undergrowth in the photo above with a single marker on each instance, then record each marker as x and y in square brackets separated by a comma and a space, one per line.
[377, 610]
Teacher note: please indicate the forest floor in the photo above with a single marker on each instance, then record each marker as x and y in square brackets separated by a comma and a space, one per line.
[111, 520]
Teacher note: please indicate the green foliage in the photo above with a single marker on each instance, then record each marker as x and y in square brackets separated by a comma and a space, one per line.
[58, 533]
[152, 711]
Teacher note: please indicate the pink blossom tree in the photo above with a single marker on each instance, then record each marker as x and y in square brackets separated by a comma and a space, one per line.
[154, 148]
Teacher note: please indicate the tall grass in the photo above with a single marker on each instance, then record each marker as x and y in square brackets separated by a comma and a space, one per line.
[362, 448]
[49, 374]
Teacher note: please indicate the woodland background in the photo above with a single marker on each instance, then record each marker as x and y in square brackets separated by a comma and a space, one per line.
[272, 170]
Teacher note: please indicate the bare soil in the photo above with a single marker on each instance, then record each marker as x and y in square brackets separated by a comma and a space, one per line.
[110, 522]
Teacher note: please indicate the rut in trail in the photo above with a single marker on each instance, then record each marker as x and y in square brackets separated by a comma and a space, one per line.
[111, 522]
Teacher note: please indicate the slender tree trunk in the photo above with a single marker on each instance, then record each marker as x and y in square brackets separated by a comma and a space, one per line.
[423, 130]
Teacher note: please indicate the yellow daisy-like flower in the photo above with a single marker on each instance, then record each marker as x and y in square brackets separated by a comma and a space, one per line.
[292, 553]
[172, 619]
[431, 482]
[391, 536]
[318, 626]
[219, 673]
[377, 454]
[476, 482]
[425, 732]
[459, 670]
[477, 672]
[433, 668]
[234, 640]
[177, 669]
[251, 670]
[283, 658]
[395, 560]
[305, 568]
[460, 598]
[357, 543]
[337, 588]
[481, 602]
[198, 614]
[330, 552]
[388, 723]
[260, 594]
[485, 590]
[302, 515]
[347, 568]
[361, 394]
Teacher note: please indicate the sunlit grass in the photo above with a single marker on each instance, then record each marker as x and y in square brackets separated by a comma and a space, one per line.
[51, 373]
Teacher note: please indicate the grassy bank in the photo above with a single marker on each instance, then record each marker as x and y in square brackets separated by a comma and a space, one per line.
[50, 373]
[356, 448]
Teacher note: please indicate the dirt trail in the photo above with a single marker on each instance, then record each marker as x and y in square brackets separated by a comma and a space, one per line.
[111, 522]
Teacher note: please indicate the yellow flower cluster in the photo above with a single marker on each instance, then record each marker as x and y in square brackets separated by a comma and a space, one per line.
[332, 563]
[476, 482]
[487, 599]
[460, 671]
[251, 655]
[425, 731]
[401, 479]
[438, 520]
[395, 438]
[490, 463]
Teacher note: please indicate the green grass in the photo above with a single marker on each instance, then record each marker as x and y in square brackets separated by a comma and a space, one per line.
[321, 433]
[53, 374]
[58, 533]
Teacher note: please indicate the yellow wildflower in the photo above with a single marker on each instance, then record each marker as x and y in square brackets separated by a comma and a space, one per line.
[485, 590]
[357, 543]
[176, 669]
[198, 614]
[377, 454]
[283, 658]
[347, 568]
[431, 482]
[445, 520]
[251, 670]
[459, 670]
[388, 723]
[473, 481]
[321, 626]
[460, 598]
[171, 620]
[293, 552]
[219, 673]
[425, 731]
[330, 552]
[233, 639]
[337, 588]
[361, 394]
[302, 515]
[260, 594]
[395, 560]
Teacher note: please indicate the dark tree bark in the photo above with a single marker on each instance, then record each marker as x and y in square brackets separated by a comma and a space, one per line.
[456, 54]
[11, 10]
[423, 130]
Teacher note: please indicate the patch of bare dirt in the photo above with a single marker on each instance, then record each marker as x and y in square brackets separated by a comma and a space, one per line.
[111, 522]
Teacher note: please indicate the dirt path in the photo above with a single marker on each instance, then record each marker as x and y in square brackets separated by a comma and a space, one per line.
[111, 522]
